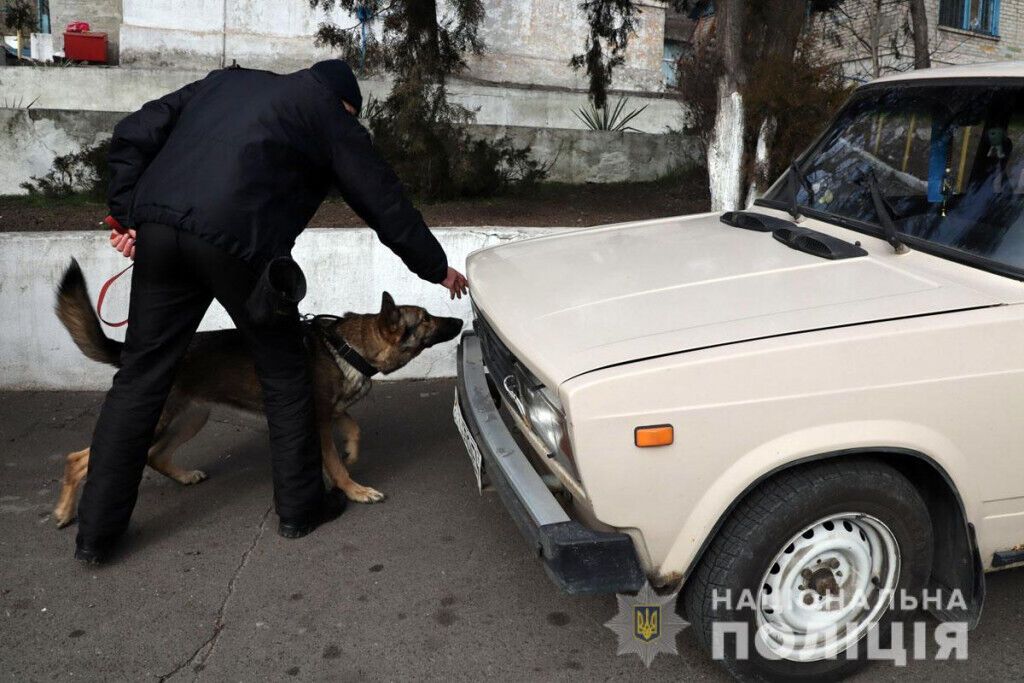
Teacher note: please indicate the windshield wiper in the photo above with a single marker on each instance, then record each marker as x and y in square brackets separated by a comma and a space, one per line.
[795, 181]
[892, 236]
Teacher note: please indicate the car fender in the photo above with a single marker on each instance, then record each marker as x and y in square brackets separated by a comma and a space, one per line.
[847, 439]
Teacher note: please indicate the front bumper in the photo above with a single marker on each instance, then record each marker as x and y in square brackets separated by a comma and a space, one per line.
[578, 559]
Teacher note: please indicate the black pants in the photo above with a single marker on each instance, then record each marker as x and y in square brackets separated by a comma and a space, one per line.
[176, 277]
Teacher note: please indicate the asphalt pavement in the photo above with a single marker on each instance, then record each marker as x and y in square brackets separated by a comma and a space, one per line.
[435, 582]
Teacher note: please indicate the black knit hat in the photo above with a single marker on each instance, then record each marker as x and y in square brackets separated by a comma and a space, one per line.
[337, 76]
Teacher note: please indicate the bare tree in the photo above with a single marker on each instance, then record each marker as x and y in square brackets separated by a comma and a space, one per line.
[872, 35]
[919, 24]
[875, 37]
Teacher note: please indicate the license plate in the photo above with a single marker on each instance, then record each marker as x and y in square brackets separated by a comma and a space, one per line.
[475, 456]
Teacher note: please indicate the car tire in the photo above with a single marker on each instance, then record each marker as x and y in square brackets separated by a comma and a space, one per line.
[848, 508]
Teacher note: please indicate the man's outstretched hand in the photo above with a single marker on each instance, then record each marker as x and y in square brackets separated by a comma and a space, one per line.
[456, 283]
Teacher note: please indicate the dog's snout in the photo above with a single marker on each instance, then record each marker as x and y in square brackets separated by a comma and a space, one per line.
[447, 329]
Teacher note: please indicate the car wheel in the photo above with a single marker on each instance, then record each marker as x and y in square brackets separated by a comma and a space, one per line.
[806, 566]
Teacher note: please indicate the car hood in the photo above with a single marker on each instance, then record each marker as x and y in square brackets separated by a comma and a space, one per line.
[583, 300]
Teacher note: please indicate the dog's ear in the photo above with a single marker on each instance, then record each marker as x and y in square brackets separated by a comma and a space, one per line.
[389, 314]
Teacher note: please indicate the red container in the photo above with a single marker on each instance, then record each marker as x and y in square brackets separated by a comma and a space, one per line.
[86, 47]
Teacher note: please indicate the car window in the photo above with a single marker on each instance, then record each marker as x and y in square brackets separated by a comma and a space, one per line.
[949, 161]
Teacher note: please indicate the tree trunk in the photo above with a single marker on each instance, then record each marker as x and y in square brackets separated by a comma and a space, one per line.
[876, 40]
[779, 44]
[422, 38]
[764, 143]
[725, 149]
[919, 19]
[746, 32]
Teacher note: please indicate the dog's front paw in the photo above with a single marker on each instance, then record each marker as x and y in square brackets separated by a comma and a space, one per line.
[63, 517]
[193, 477]
[364, 494]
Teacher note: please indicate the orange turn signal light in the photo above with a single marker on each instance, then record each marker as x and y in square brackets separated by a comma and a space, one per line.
[653, 435]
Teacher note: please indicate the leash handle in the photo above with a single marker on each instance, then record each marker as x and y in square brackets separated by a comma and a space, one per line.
[103, 295]
[114, 225]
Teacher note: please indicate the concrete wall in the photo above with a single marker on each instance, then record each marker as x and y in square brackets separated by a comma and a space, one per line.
[120, 89]
[347, 270]
[527, 41]
[73, 108]
[102, 15]
[532, 41]
[199, 34]
[32, 138]
[577, 156]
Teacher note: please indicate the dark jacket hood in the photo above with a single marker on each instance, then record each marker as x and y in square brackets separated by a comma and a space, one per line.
[337, 76]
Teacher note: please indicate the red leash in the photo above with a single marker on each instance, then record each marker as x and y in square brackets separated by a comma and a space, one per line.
[113, 224]
[103, 295]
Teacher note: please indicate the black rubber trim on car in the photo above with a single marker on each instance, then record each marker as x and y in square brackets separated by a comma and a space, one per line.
[879, 450]
[1004, 558]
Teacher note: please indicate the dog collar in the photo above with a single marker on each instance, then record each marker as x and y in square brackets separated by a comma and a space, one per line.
[341, 350]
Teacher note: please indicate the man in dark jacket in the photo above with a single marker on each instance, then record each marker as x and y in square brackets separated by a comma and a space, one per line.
[208, 184]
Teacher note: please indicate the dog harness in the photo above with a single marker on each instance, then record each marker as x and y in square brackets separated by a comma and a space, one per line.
[339, 348]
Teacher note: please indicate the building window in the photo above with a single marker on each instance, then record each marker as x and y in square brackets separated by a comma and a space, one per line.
[674, 49]
[980, 16]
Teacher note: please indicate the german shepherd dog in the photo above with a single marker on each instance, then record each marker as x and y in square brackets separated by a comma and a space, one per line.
[217, 370]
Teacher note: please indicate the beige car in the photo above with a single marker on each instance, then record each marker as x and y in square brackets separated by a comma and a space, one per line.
[806, 415]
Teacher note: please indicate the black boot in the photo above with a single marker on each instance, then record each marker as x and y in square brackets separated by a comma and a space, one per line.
[333, 505]
[89, 552]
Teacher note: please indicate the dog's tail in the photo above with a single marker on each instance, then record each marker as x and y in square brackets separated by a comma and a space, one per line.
[74, 308]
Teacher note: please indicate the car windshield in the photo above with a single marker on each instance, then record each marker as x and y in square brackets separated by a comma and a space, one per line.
[948, 159]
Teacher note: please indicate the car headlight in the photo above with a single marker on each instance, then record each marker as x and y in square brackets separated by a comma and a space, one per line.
[545, 418]
[542, 412]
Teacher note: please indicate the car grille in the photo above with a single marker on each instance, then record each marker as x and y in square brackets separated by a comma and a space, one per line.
[498, 359]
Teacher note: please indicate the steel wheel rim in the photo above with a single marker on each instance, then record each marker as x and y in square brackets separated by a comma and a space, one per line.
[826, 587]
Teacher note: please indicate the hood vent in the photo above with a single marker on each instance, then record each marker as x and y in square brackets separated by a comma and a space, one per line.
[758, 222]
[818, 243]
